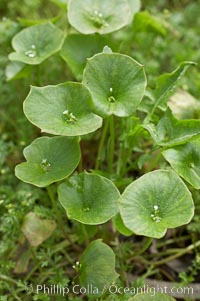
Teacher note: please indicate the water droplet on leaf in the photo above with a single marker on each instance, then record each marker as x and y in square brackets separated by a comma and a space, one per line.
[31, 52]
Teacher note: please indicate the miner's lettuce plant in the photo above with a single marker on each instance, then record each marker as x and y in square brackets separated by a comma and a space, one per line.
[113, 101]
[49, 160]
[113, 79]
[169, 203]
[89, 198]
[100, 16]
[72, 114]
[102, 269]
[35, 44]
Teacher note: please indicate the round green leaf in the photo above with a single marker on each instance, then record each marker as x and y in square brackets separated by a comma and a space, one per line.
[152, 296]
[97, 267]
[117, 83]
[48, 160]
[185, 160]
[65, 109]
[76, 56]
[102, 16]
[155, 202]
[35, 44]
[88, 198]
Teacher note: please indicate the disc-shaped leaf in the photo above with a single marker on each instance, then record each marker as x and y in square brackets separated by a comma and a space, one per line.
[152, 296]
[102, 16]
[65, 109]
[185, 160]
[34, 44]
[98, 267]
[37, 230]
[88, 198]
[117, 83]
[156, 201]
[170, 131]
[76, 56]
[49, 160]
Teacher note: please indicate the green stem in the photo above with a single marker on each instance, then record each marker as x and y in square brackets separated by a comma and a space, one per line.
[122, 265]
[101, 144]
[13, 293]
[112, 144]
[146, 245]
[163, 253]
[119, 162]
[80, 166]
[85, 234]
[150, 114]
[125, 153]
[61, 248]
[39, 79]
[8, 279]
[55, 208]
[172, 241]
[154, 161]
[37, 261]
[59, 218]
[179, 254]
[28, 276]
[125, 156]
